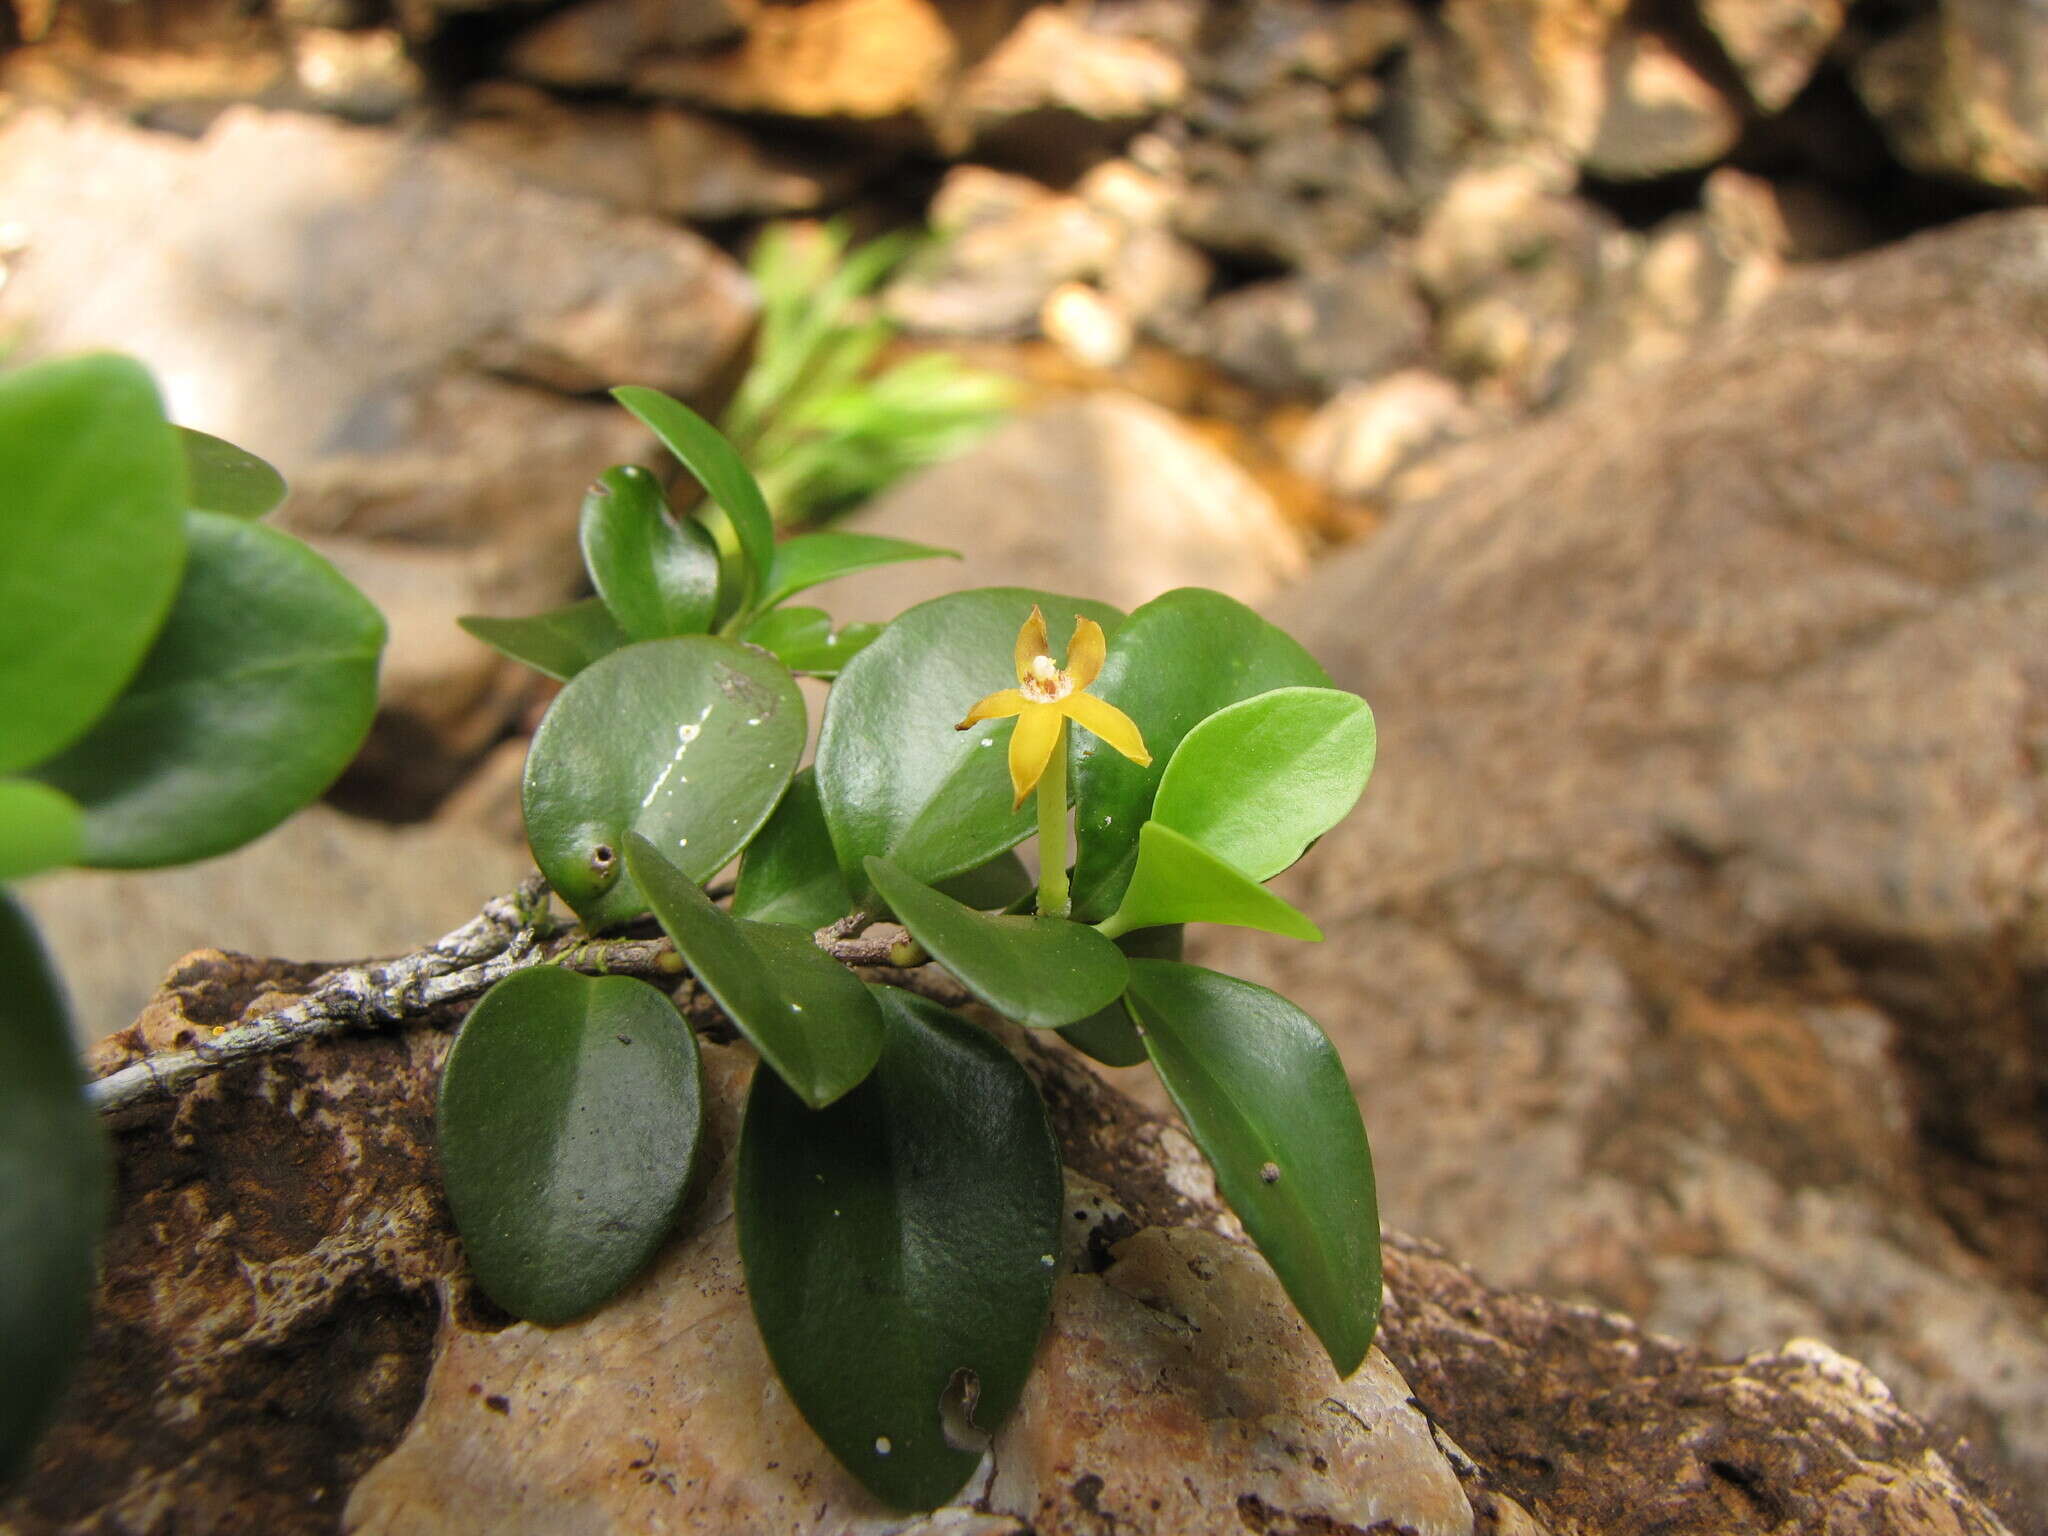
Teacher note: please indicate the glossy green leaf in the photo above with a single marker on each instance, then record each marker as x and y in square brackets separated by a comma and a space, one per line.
[789, 873]
[717, 467]
[39, 828]
[95, 496]
[1040, 971]
[54, 1167]
[900, 1247]
[804, 640]
[571, 1112]
[810, 559]
[1176, 661]
[656, 576]
[1260, 780]
[1110, 1035]
[809, 1016]
[995, 885]
[1265, 1097]
[896, 779]
[560, 642]
[258, 691]
[223, 478]
[1178, 881]
[687, 741]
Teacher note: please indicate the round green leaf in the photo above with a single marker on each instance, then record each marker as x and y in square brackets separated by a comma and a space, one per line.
[688, 741]
[1178, 881]
[811, 559]
[717, 467]
[809, 1016]
[39, 828]
[1176, 661]
[1110, 1035]
[54, 1167]
[223, 478]
[895, 778]
[560, 642]
[260, 687]
[789, 873]
[804, 640]
[1260, 780]
[657, 577]
[571, 1110]
[900, 1247]
[95, 543]
[1040, 971]
[1265, 1097]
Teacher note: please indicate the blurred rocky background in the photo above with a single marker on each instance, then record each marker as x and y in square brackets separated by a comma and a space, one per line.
[1643, 402]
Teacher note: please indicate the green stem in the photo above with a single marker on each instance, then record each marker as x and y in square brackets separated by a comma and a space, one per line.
[1053, 899]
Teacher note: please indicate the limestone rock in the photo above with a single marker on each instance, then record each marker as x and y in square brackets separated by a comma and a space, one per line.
[1104, 496]
[1356, 442]
[1311, 332]
[1963, 92]
[1533, 71]
[1774, 43]
[283, 1263]
[1690, 946]
[596, 43]
[1661, 115]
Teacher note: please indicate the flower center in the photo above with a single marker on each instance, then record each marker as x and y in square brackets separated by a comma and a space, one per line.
[1046, 682]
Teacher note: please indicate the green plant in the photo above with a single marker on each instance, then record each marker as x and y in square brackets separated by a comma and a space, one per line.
[899, 1190]
[175, 679]
[827, 427]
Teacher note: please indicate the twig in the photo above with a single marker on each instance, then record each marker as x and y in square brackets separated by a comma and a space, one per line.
[513, 933]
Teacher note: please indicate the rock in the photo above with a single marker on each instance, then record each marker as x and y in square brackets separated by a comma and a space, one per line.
[1058, 95]
[1690, 944]
[1356, 442]
[660, 160]
[1661, 115]
[1007, 243]
[1297, 197]
[333, 1359]
[1248, 51]
[1533, 71]
[383, 891]
[596, 43]
[1104, 496]
[1963, 92]
[408, 398]
[1774, 43]
[1089, 327]
[1159, 280]
[1325, 327]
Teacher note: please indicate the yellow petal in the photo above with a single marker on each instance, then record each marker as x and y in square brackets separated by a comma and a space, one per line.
[1032, 643]
[1000, 705]
[1085, 651]
[1104, 719]
[1040, 729]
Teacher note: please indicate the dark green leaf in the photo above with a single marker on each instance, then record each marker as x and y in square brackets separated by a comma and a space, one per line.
[1176, 661]
[223, 478]
[571, 1110]
[788, 873]
[1266, 1099]
[1110, 1035]
[54, 1166]
[803, 640]
[658, 578]
[901, 1245]
[809, 1016]
[39, 828]
[1260, 780]
[258, 691]
[997, 884]
[1177, 881]
[813, 558]
[711, 459]
[1040, 971]
[95, 494]
[560, 642]
[895, 777]
[688, 741]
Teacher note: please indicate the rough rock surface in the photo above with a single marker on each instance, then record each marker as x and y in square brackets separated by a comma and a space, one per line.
[1688, 949]
[283, 1304]
[1105, 495]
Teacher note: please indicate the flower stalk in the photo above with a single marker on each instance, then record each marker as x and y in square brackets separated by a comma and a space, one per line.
[1054, 899]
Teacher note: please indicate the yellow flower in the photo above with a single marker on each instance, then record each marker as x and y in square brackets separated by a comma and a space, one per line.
[1046, 697]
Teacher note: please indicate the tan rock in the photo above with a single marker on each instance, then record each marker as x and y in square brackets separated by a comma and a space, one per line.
[1105, 496]
[597, 43]
[1775, 43]
[1358, 440]
[1661, 115]
[1534, 70]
